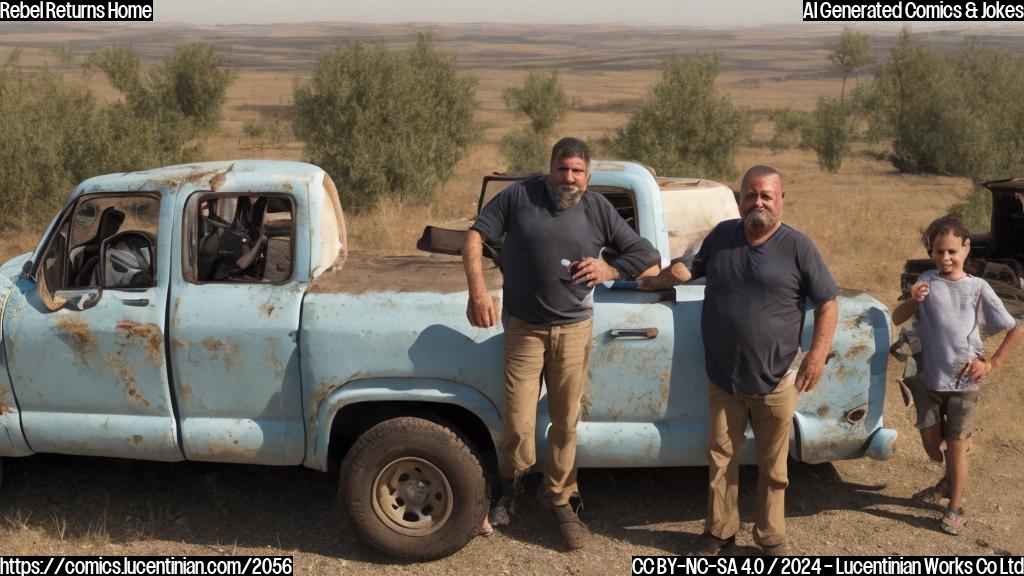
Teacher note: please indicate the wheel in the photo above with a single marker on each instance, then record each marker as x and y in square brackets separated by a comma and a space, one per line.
[413, 488]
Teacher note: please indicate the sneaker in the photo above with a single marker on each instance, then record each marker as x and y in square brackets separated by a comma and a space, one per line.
[713, 546]
[574, 531]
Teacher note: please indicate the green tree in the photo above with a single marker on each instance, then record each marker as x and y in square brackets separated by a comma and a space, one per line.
[541, 98]
[828, 132]
[684, 126]
[386, 123]
[525, 150]
[788, 127]
[850, 53]
[193, 74]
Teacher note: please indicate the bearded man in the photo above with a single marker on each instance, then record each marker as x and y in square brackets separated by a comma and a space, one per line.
[554, 232]
[760, 274]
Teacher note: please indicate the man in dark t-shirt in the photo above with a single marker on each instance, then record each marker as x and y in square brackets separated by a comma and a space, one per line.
[554, 232]
[760, 274]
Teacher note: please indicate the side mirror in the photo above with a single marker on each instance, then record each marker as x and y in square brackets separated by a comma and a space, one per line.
[26, 270]
[78, 300]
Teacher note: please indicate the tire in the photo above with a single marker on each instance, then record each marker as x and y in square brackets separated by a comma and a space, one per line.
[413, 489]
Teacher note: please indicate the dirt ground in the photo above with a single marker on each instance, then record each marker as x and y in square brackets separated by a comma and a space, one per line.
[864, 219]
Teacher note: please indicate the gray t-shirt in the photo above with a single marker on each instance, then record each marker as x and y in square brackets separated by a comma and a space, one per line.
[949, 324]
[754, 304]
[538, 289]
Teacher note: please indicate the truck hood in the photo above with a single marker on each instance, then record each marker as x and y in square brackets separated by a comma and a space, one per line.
[12, 268]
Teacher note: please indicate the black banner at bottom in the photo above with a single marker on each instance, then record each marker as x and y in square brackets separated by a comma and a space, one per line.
[839, 565]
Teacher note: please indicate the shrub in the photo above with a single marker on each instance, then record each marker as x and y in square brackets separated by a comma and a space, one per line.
[386, 124]
[525, 151]
[541, 99]
[684, 126]
[957, 114]
[828, 132]
[789, 125]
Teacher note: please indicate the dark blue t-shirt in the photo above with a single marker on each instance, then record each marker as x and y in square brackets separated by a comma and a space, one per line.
[538, 289]
[754, 304]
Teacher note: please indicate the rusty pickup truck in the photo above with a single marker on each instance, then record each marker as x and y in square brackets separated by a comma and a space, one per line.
[213, 312]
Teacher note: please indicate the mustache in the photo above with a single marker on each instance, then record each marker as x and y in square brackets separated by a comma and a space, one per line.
[567, 195]
[758, 219]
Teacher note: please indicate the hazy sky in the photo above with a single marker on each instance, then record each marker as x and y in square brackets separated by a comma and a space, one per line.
[568, 12]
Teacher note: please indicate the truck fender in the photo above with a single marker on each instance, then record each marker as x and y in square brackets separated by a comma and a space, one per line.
[329, 399]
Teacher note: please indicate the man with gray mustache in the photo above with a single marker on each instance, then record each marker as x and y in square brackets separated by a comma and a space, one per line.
[760, 273]
[554, 232]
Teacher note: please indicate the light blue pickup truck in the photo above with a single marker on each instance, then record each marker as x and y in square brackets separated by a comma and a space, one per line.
[213, 312]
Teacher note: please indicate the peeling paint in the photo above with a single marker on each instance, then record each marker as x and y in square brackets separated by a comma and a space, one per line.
[823, 411]
[136, 439]
[585, 402]
[226, 351]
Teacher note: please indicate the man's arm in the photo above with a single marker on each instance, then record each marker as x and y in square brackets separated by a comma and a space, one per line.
[677, 273]
[480, 310]
[825, 316]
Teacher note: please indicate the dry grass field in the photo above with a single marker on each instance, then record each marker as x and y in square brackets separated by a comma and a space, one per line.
[865, 220]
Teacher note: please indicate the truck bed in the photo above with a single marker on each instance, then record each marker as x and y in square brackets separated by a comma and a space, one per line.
[363, 272]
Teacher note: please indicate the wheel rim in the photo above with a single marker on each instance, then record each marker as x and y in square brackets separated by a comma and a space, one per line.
[412, 497]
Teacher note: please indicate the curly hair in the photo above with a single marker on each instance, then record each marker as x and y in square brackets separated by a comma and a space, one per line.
[942, 226]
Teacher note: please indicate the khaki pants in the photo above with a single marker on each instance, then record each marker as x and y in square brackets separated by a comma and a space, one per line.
[770, 417]
[561, 354]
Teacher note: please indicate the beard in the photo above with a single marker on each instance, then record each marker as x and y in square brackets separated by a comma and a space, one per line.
[567, 196]
[758, 220]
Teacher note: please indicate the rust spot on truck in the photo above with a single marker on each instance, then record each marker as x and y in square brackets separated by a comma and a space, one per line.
[823, 411]
[136, 439]
[185, 394]
[150, 333]
[179, 343]
[585, 402]
[79, 336]
[224, 350]
[177, 318]
[271, 356]
[318, 399]
[4, 409]
[125, 373]
[616, 414]
[856, 350]
[267, 308]
[649, 449]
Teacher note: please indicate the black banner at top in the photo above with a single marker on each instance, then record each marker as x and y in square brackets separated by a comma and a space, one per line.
[77, 10]
[913, 10]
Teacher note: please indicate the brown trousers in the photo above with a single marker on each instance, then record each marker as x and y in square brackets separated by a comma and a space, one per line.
[770, 417]
[561, 354]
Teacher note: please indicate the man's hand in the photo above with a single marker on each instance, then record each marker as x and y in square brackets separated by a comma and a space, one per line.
[481, 311]
[919, 291]
[978, 368]
[809, 374]
[593, 271]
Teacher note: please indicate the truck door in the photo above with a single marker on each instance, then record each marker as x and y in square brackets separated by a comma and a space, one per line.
[85, 337]
[240, 271]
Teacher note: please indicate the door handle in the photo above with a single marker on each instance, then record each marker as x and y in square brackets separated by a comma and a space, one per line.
[135, 301]
[635, 333]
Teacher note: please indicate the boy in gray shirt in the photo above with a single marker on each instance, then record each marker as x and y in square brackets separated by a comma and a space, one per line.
[951, 308]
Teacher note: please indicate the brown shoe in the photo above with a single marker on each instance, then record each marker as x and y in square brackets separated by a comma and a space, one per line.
[712, 545]
[574, 531]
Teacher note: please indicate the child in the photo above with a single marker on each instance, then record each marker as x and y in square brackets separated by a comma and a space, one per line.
[951, 307]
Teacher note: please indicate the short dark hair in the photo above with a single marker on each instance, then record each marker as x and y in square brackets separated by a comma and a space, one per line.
[759, 171]
[941, 227]
[570, 147]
